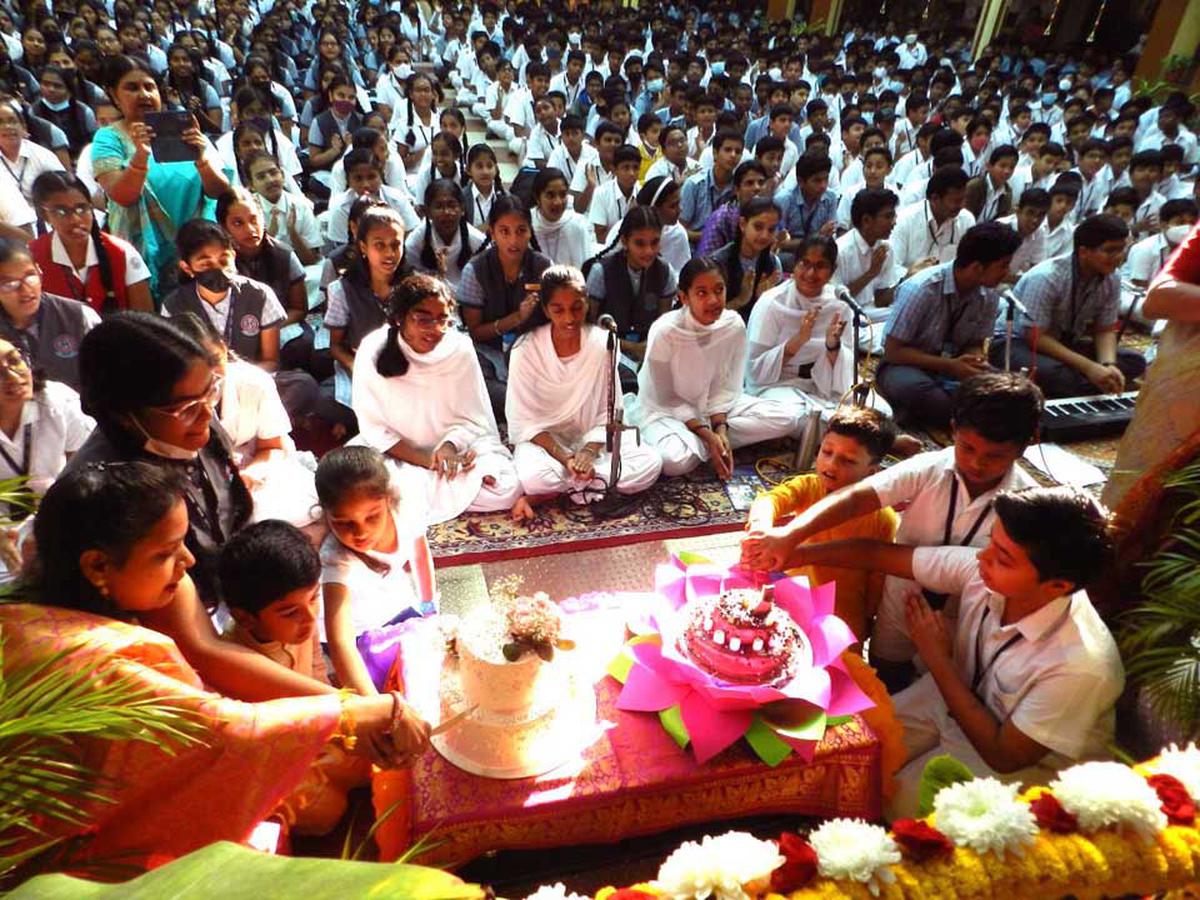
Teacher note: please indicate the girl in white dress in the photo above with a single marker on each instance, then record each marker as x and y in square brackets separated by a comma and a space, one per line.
[690, 405]
[662, 194]
[376, 568]
[801, 346]
[555, 406]
[443, 243]
[564, 235]
[420, 399]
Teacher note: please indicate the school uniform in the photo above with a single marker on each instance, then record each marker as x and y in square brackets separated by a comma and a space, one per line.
[32, 160]
[986, 201]
[560, 158]
[52, 427]
[1032, 250]
[59, 275]
[338, 229]
[853, 261]
[609, 206]
[414, 246]
[247, 308]
[917, 235]
[632, 297]
[51, 341]
[277, 226]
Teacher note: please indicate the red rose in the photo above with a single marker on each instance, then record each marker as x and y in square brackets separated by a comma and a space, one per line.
[1051, 815]
[1177, 803]
[919, 840]
[799, 864]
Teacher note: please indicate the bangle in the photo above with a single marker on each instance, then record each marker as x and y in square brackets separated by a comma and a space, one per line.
[345, 731]
[141, 168]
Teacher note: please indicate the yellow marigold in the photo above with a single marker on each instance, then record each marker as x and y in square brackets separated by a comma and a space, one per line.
[1180, 867]
[605, 892]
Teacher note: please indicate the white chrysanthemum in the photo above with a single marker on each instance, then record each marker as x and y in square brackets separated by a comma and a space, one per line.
[1100, 794]
[554, 892]
[854, 850]
[717, 867]
[1182, 764]
[985, 814]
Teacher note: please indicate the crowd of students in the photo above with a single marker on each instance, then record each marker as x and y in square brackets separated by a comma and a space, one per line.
[731, 193]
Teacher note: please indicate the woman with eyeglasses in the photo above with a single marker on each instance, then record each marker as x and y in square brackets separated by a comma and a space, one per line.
[80, 261]
[152, 391]
[45, 327]
[421, 400]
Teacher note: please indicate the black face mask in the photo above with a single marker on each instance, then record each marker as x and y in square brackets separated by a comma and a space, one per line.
[214, 280]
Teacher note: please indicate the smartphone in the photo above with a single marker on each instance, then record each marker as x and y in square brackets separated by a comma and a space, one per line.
[168, 144]
[741, 494]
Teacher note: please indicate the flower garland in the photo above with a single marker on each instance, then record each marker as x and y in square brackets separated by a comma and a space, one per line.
[1099, 830]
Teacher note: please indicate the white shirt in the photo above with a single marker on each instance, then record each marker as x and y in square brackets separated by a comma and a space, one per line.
[924, 481]
[519, 109]
[251, 409]
[32, 160]
[853, 260]
[1055, 673]
[306, 223]
[273, 312]
[1060, 238]
[1023, 179]
[560, 83]
[560, 158]
[1146, 257]
[916, 236]
[609, 205]
[57, 427]
[579, 181]
[414, 245]
[541, 144]
[1032, 250]
[675, 248]
[135, 267]
[339, 212]
[395, 175]
[663, 166]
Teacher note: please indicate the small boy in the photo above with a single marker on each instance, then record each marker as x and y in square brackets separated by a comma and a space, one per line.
[810, 208]
[989, 196]
[875, 167]
[1025, 682]
[1090, 162]
[769, 152]
[598, 171]
[572, 152]
[613, 199]
[673, 162]
[704, 108]
[866, 266]
[1147, 256]
[1060, 221]
[949, 494]
[705, 191]
[1041, 172]
[1122, 203]
[853, 447]
[1145, 171]
[270, 580]
[649, 129]
[1029, 220]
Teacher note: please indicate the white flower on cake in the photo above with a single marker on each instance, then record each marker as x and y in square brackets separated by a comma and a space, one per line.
[1181, 764]
[534, 624]
[1100, 794]
[984, 815]
[554, 892]
[856, 851]
[717, 867]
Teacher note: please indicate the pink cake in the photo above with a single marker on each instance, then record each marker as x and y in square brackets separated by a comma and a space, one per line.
[530, 715]
[740, 636]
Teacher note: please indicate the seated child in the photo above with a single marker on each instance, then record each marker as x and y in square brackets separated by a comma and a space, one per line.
[376, 568]
[853, 446]
[1025, 684]
[270, 578]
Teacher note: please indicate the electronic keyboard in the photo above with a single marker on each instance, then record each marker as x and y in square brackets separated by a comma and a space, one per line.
[1080, 418]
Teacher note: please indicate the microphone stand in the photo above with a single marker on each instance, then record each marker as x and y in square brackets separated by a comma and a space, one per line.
[860, 389]
[612, 503]
[1013, 306]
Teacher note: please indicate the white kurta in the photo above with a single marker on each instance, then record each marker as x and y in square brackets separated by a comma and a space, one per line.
[566, 398]
[442, 397]
[569, 242]
[282, 486]
[694, 371]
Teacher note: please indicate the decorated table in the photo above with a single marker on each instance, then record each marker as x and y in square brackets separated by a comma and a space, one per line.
[632, 777]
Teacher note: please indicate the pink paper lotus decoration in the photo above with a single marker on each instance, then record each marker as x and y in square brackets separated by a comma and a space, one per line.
[711, 713]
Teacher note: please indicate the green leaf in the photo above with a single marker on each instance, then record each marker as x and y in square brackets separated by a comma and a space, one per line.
[688, 558]
[763, 740]
[672, 721]
[620, 666]
[941, 771]
[813, 729]
[233, 872]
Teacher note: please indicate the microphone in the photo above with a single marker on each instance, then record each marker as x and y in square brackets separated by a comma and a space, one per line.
[842, 293]
[608, 323]
[1014, 302]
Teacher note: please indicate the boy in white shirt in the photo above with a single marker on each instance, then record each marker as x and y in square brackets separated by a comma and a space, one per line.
[613, 199]
[1040, 173]
[571, 152]
[545, 138]
[520, 111]
[1147, 256]
[866, 266]
[1025, 682]
[1030, 223]
[1060, 223]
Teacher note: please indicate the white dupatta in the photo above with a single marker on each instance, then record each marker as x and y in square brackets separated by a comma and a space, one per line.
[775, 319]
[564, 397]
[690, 370]
[569, 242]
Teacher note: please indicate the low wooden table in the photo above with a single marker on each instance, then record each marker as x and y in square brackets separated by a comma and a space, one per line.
[633, 779]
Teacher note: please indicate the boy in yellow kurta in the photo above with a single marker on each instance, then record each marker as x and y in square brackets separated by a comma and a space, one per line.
[853, 446]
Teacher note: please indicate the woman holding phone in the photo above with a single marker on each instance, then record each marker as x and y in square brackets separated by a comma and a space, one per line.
[148, 200]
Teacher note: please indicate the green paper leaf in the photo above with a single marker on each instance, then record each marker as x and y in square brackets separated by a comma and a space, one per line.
[835, 721]
[811, 730]
[693, 559]
[672, 721]
[941, 771]
[620, 666]
[766, 743]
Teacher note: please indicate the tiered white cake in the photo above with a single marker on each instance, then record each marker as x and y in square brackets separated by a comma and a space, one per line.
[531, 715]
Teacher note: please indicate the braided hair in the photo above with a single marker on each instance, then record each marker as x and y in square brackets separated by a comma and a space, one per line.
[391, 362]
[637, 219]
[446, 188]
[58, 182]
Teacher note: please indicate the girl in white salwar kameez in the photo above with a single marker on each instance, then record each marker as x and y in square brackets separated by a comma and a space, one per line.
[564, 235]
[690, 405]
[555, 406]
[278, 476]
[421, 401]
[801, 346]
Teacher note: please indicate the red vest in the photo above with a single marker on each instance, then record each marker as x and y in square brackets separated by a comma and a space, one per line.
[61, 280]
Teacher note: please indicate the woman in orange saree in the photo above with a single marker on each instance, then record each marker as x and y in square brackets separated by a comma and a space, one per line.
[111, 548]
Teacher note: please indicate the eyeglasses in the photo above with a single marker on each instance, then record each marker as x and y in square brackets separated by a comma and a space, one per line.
[818, 266]
[12, 285]
[190, 410]
[14, 364]
[62, 212]
[441, 323]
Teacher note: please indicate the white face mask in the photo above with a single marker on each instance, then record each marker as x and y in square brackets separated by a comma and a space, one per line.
[403, 70]
[910, 39]
[1176, 233]
[162, 448]
[880, 73]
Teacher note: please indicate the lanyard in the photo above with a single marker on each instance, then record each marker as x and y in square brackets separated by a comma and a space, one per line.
[18, 176]
[26, 452]
[1069, 336]
[71, 278]
[934, 243]
[950, 511]
[982, 670]
[806, 221]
